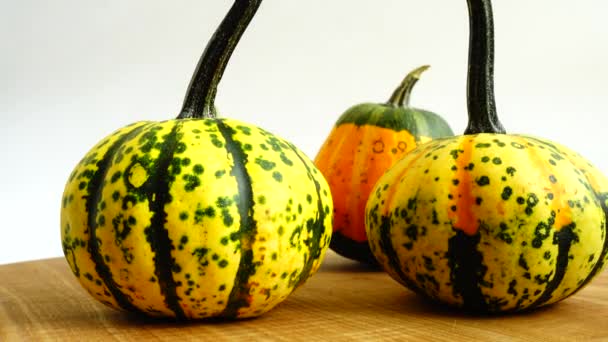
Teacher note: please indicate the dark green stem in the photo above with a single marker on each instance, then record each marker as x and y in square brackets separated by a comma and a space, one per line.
[480, 84]
[199, 101]
[401, 95]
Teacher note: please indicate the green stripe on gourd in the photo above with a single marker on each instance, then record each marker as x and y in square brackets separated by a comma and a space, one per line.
[196, 217]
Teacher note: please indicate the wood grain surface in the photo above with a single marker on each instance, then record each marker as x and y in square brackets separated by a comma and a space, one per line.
[42, 300]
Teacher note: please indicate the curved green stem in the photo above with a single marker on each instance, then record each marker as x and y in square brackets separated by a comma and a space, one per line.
[480, 83]
[401, 95]
[199, 101]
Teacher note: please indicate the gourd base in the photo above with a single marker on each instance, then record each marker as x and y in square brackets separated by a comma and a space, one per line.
[350, 249]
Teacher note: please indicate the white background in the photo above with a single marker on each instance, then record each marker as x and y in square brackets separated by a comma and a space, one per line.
[72, 72]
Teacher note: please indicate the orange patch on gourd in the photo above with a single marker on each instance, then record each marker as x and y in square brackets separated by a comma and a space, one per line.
[352, 159]
[463, 217]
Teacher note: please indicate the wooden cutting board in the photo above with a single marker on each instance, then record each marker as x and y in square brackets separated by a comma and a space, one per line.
[42, 300]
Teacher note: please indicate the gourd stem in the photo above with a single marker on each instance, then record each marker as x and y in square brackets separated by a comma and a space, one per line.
[199, 100]
[480, 80]
[401, 95]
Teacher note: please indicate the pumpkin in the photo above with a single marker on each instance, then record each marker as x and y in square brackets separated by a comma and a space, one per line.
[365, 141]
[198, 216]
[489, 221]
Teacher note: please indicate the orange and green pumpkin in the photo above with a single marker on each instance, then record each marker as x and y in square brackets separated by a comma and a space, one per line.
[489, 221]
[199, 216]
[365, 141]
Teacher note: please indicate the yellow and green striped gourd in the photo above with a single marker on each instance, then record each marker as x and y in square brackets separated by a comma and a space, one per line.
[489, 221]
[198, 216]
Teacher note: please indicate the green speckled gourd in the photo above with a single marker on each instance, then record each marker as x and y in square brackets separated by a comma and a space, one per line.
[487, 221]
[196, 217]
